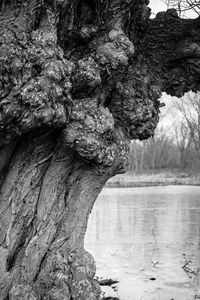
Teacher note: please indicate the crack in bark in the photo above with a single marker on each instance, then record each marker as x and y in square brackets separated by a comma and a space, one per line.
[40, 266]
[5, 169]
[24, 240]
[12, 258]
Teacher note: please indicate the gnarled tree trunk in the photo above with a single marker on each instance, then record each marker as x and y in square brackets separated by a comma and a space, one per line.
[78, 80]
[47, 193]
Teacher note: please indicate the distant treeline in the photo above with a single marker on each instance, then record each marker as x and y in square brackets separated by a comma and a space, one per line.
[176, 146]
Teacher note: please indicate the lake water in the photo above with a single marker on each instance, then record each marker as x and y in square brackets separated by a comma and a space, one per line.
[143, 237]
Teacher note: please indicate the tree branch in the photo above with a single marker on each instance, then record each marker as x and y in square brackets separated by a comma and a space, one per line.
[171, 47]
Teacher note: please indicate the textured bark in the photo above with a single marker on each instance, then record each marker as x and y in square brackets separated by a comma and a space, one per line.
[47, 194]
[78, 81]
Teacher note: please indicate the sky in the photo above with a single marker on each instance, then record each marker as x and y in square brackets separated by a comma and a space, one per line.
[159, 5]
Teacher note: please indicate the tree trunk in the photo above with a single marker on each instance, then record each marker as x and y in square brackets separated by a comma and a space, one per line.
[47, 194]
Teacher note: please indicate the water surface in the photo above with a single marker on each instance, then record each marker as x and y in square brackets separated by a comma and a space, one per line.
[144, 237]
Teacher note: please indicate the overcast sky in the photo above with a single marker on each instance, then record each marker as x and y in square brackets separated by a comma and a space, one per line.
[159, 5]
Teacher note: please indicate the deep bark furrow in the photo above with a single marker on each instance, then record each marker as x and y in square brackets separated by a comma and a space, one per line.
[6, 156]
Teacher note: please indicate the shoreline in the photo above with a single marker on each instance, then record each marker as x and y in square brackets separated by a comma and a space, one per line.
[155, 179]
[144, 184]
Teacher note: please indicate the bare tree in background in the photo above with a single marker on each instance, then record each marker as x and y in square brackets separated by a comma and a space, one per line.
[183, 6]
[159, 151]
[183, 140]
[187, 127]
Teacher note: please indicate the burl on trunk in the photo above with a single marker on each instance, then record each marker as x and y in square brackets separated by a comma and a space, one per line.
[78, 80]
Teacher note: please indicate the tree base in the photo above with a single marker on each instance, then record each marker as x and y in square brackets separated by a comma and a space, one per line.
[47, 194]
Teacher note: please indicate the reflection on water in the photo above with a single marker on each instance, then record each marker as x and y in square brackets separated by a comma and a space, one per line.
[140, 234]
